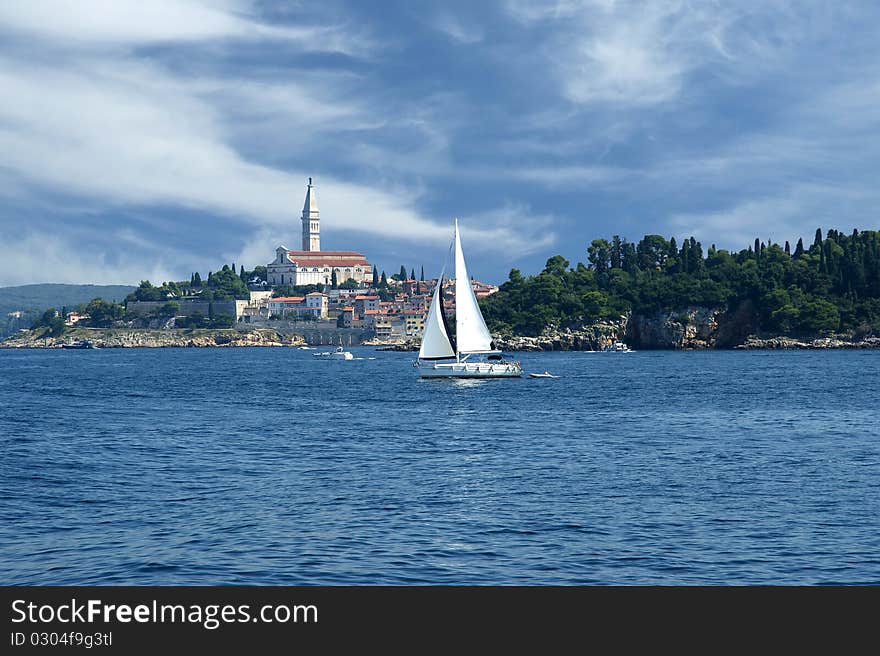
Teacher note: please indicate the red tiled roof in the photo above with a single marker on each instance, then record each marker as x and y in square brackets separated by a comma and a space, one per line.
[331, 263]
[288, 299]
[331, 253]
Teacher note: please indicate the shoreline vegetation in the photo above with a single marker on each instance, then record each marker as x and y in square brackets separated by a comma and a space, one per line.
[656, 295]
[653, 294]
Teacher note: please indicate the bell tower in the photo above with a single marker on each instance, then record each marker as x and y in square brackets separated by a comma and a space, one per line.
[311, 221]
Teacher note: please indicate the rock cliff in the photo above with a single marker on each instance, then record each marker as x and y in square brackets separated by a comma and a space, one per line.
[691, 328]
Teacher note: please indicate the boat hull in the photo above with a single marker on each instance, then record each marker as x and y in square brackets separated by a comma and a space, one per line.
[472, 370]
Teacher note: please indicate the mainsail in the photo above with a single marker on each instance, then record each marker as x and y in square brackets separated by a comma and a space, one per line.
[470, 328]
[436, 343]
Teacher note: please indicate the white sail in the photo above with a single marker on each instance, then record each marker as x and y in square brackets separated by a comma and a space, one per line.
[436, 344]
[470, 328]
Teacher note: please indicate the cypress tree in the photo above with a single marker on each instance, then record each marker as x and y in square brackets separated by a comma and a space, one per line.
[412, 274]
[375, 277]
[402, 272]
[333, 280]
[422, 277]
[818, 239]
[787, 248]
[197, 279]
[799, 248]
[757, 248]
[695, 263]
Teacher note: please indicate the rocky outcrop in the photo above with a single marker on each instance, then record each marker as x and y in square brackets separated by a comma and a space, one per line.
[592, 337]
[835, 342]
[128, 338]
[409, 345]
[692, 328]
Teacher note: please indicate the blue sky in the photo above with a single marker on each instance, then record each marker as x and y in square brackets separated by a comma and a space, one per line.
[147, 140]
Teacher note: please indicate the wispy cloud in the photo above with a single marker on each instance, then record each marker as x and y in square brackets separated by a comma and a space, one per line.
[130, 131]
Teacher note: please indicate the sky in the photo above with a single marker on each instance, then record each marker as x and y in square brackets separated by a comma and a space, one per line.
[147, 140]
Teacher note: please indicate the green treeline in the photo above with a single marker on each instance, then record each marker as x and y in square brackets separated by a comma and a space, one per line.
[834, 285]
[225, 284]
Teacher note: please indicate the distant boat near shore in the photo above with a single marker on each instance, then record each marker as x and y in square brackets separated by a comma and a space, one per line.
[83, 344]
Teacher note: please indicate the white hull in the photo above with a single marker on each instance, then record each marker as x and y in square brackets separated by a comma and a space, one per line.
[335, 355]
[472, 370]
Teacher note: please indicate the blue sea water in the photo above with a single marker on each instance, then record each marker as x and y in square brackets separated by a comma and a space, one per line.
[270, 466]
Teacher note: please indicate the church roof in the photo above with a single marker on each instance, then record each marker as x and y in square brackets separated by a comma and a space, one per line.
[328, 258]
[326, 253]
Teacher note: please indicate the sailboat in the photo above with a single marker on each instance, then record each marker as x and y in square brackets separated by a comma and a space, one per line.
[472, 348]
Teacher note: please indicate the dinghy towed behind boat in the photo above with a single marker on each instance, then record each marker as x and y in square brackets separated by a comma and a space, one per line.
[472, 348]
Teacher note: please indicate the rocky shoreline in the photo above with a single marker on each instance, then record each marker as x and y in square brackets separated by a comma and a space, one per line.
[838, 342]
[690, 329]
[134, 338]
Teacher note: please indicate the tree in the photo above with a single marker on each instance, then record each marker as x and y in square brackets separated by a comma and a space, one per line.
[333, 280]
[412, 274]
[422, 277]
[383, 283]
[599, 255]
[197, 279]
[556, 266]
[103, 313]
[52, 322]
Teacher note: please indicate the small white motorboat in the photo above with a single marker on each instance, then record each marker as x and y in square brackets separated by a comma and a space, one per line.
[339, 354]
[546, 374]
[617, 347]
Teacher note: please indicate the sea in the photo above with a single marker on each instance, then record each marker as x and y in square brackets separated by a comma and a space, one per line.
[270, 466]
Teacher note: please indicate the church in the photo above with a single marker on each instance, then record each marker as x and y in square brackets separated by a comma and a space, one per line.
[311, 265]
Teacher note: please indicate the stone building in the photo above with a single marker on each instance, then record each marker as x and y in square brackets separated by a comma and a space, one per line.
[311, 265]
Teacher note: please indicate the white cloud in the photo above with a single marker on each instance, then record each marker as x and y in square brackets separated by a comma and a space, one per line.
[792, 213]
[42, 257]
[456, 28]
[637, 54]
[95, 23]
[126, 131]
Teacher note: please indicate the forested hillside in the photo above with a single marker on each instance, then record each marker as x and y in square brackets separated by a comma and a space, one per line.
[832, 285]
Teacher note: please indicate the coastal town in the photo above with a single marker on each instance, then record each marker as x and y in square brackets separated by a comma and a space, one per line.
[331, 290]
[327, 296]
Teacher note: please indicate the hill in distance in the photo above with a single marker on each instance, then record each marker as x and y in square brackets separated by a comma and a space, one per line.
[44, 296]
